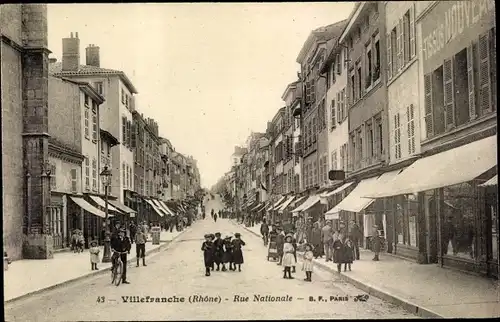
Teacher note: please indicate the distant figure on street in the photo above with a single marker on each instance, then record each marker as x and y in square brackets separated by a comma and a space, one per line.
[294, 244]
[316, 241]
[227, 257]
[288, 260]
[237, 251]
[338, 252]
[307, 264]
[120, 244]
[264, 231]
[348, 254]
[215, 217]
[133, 230]
[94, 254]
[280, 242]
[140, 246]
[212, 213]
[376, 243]
[218, 251]
[355, 235]
[206, 247]
[327, 238]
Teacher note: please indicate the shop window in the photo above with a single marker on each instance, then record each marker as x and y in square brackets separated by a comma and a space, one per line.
[458, 228]
[406, 220]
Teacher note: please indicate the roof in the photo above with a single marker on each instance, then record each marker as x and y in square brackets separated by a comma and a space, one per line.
[87, 70]
[288, 88]
[113, 140]
[86, 87]
[333, 49]
[321, 34]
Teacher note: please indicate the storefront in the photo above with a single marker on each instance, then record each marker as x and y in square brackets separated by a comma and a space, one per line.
[86, 217]
[453, 222]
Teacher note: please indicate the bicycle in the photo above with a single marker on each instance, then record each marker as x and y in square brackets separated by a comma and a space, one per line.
[117, 270]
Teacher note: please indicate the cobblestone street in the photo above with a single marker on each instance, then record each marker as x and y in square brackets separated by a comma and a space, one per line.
[178, 271]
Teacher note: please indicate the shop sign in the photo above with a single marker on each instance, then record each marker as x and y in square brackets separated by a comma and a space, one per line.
[332, 216]
[448, 20]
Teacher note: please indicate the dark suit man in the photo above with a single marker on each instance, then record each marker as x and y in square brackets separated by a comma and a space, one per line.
[121, 243]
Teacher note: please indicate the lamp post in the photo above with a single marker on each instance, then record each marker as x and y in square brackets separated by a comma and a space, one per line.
[106, 180]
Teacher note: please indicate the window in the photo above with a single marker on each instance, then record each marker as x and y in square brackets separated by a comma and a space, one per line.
[397, 137]
[127, 98]
[325, 168]
[94, 122]
[406, 37]
[392, 50]
[99, 88]
[334, 160]
[332, 111]
[460, 90]
[74, 181]
[366, 22]
[315, 173]
[87, 173]
[380, 137]
[368, 66]
[360, 145]
[94, 174]
[410, 129]
[123, 96]
[87, 121]
[53, 177]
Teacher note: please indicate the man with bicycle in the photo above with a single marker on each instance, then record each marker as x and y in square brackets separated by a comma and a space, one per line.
[120, 246]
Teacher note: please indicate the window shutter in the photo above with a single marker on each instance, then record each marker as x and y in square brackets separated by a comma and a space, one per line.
[448, 93]
[134, 136]
[333, 113]
[313, 92]
[406, 44]
[338, 64]
[74, 181]
[429, 126]
[493, 67]
[124, 129]
[389, 56]
[307, 89]
[400, 44]
[484, 74]
[470, 77]
[413, 49]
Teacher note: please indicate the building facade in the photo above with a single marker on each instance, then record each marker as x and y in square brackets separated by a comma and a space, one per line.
[292, 97]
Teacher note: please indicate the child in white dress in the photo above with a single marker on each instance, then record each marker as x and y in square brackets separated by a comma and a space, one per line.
[307, 265]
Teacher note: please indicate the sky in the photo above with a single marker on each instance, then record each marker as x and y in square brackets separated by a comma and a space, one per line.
[208, 73]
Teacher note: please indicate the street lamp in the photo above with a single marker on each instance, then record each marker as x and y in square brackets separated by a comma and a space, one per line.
[106, 180]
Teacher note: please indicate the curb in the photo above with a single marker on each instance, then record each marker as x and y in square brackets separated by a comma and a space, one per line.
[409, 306]
[93, 274]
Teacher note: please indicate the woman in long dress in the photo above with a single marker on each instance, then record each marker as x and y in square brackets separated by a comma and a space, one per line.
[237, 251]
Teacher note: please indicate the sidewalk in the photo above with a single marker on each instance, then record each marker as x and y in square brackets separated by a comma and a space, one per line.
[26, 277]
[424, 290]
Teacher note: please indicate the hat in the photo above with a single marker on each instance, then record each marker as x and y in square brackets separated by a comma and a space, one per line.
[308, 244]
[237, 235]
[93, 242]
[288, 235]
[217, 234]
[207, 236]
[228, 237]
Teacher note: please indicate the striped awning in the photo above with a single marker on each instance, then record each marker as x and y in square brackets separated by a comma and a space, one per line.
[492, 182]
[155, 208]
[285, 204]
[102, 203]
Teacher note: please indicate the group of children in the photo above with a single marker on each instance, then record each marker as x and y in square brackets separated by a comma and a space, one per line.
[217, 251]
[77, 241]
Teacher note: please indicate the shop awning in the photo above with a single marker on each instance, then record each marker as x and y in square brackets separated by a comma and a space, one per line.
[102, 203]
[121, 206]
[354, 201]
[155, 208]
[285, 204]
[492, 182]
[169, 211]
[160, 207]
[257, 207]
[339, 189]
[276, 204]
[447, 168]
[82, 203]
[311, 201]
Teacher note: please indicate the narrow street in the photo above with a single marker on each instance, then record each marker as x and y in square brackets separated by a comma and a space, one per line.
[178, 271]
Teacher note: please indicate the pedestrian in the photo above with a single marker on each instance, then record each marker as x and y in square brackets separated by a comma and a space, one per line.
[327, 238]
[237, 251]
[218, 250]
[207, 248]
[316, 241]
[264, 230]
[227, 257]
[140, 246]
[212, 238]
[74, 241]
[294, 244]
[94, 254]
[133, 231]
[348, 254]
[80, 242]
[215, 217]
[307, 264]
[121, 244]
[376, 243]
[288, 260]
[355, 236]
[338, 252]
[280, 243]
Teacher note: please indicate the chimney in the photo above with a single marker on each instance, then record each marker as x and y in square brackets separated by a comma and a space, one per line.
[92, 57]
[71, 53]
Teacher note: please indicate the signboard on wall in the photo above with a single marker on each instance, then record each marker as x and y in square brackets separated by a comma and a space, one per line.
[450, 26]
[332, 216]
